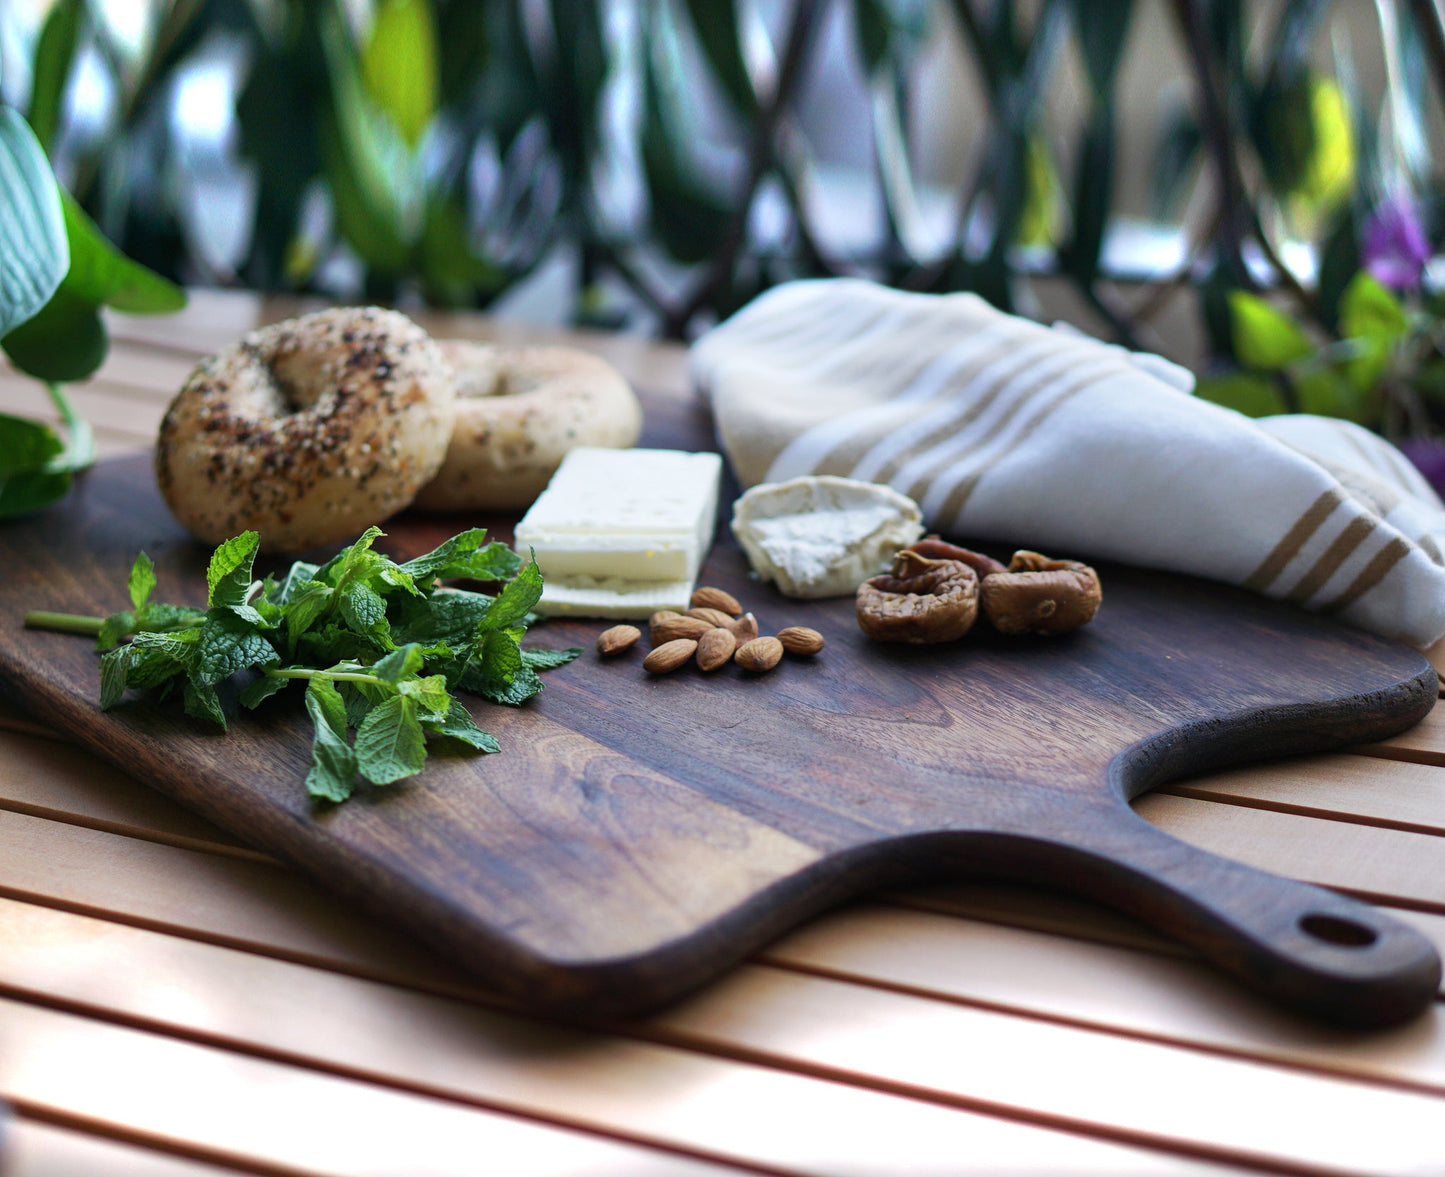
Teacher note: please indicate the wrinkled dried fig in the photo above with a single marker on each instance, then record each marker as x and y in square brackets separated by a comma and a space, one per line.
[937, 548]
[921, 601]
[1040, 595]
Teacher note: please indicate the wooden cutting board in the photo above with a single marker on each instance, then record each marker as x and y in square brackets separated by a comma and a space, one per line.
[636, 836]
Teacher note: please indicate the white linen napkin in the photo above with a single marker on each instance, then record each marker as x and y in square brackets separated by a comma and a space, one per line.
[1006, 430]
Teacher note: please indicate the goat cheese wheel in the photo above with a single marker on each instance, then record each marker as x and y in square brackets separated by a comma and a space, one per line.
[307, 431]
[519, 411]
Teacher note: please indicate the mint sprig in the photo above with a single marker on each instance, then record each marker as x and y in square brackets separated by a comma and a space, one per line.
[380, 647]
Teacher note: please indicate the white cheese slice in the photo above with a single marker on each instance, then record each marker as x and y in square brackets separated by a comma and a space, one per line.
[821, 536]
[643, 515]
[587, 597]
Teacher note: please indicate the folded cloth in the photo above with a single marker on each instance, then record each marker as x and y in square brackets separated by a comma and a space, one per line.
[1003, 429]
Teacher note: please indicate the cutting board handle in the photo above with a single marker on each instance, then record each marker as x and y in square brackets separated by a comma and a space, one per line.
[1305, 946]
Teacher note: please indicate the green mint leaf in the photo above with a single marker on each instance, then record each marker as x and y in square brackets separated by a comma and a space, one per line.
[524, 685]
[142, 580]
[499, 672]
[516, 600]
[450, 618]
[113, 629]
[390, 744]
[550, 659]
[357, 704]
[298, 576]
[161, 618]
[228, 645]
[325, 701]
[177, 645]
[464, 556]
[458, 724]
[364, 611]
[152, 666]
[430, 693]
[113, 668]
[332, 644]
[256, 617]
[304, 606]
[261, 688]
[347, 561]
[403, 662]
[394, 576]
[333, 763]
[202, 702]
[229, 574]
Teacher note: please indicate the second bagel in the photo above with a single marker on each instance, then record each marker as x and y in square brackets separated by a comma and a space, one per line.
[518, 411]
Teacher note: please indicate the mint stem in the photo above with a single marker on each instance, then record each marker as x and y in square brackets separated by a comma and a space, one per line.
[64, 622]
[333, 675]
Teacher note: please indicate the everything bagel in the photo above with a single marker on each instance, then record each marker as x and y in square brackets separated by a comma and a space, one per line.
[518, 411]
[307, 431]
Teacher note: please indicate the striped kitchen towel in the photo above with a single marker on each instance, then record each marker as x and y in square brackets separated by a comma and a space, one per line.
[1005, 430]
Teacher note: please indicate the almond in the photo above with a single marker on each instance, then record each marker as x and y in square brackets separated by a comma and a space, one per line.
[662, 615]
[618, 638]
[745, 628]
[716, 598]
[671, 626]
[715, 648]
[669, 656]
[799, 639]
[711, 616]
[759, 655]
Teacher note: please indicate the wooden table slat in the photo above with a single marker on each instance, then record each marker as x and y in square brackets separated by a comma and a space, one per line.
[37, 1149]
[1396, 866]
[154, 1087]
[714, 1103]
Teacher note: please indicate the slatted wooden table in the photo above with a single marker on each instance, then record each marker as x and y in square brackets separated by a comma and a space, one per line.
[173, 1002]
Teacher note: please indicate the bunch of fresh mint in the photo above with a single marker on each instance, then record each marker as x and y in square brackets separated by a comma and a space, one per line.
[380, 647]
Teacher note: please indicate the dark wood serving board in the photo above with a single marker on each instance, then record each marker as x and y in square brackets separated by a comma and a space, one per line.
[636, 836]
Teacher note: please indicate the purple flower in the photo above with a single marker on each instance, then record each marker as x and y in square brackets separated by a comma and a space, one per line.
[1394, 247]
[1428, 455]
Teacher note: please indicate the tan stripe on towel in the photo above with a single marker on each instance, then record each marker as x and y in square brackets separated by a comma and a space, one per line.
[1374, 572]
[953, 506]
[1329, 563]
[844, 457]
[1294, 539]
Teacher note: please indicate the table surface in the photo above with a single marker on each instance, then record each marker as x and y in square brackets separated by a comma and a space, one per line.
[173, 1002]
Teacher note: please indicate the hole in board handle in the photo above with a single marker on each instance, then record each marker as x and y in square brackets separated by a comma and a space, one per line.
[1333, 930]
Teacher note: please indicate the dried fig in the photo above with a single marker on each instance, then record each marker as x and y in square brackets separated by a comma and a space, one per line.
[1040, 595]
[921, 601]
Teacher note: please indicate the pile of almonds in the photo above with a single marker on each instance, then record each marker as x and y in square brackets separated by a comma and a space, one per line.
[713, 632]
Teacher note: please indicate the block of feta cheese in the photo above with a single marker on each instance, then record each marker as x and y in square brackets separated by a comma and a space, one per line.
[622, 533]
[821, 536]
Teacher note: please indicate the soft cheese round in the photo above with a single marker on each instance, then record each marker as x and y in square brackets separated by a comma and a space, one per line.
[307, 431]
[519, 411]
[823, 536]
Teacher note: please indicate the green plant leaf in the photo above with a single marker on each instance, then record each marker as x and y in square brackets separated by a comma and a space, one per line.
[716, 24]
[516, 600]
[113, 667]
[464, 556]
[228, 575]
[550, 659]
[141, 581]
[403, 662]
[31, 475]
[102, 275]
[1245, 392]
[399, 65]
[459, 725]
[1368, 310]
[65, 341]
[390, 743]
[54, 54]
[227, 646]
[1328, 393]
[33, 251]
[333, 763]
[1264, 338]
[202, 702]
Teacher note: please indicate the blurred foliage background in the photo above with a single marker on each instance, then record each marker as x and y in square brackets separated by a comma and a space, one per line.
[680, 156]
